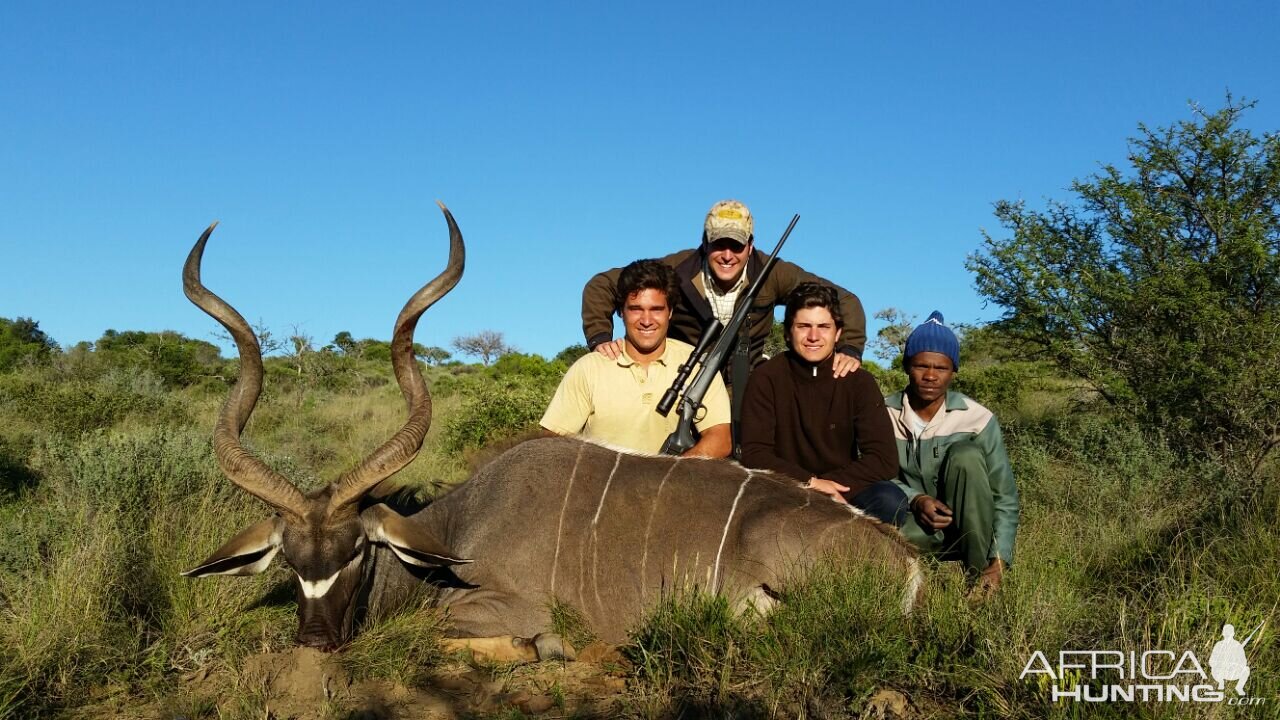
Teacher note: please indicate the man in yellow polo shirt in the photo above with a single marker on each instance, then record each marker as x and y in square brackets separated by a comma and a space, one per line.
[614, 401]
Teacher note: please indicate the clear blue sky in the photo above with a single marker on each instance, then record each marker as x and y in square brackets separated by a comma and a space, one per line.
[566, 137]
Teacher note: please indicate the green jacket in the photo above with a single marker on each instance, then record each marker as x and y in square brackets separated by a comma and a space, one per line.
[920, 460]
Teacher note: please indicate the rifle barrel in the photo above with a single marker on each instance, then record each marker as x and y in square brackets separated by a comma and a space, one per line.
[692, 398]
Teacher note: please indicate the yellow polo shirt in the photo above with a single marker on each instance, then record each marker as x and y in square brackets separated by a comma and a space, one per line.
[615, 401]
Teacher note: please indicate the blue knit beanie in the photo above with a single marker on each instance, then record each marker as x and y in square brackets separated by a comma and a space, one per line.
[933, 336]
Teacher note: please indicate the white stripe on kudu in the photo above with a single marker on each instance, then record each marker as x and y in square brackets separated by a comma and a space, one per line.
[648, 528]
[555, 561]
[605, 494]
[595, 540]
[724, 534]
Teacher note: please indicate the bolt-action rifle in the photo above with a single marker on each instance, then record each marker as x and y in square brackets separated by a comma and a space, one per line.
[724, 336]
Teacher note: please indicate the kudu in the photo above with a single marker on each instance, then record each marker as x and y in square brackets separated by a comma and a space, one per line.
[555, 519]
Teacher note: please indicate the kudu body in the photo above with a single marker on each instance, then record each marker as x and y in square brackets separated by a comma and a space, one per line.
[555, 519]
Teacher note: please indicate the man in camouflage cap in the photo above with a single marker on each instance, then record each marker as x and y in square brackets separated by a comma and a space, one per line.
[713, 279]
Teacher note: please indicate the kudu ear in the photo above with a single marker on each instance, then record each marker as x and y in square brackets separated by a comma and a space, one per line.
[248, 553]
[408, 540]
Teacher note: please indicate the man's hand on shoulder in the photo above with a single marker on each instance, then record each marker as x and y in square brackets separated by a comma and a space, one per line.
[610, 349]
[830, 488]
[843, 364]
[931, 513]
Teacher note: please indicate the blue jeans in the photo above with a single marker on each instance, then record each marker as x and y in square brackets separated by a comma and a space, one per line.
[883, 501]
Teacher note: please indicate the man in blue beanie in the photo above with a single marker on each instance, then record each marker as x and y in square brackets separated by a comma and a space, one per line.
[952, 462]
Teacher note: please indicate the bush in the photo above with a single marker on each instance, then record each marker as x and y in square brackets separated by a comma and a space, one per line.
[15, 474]
[890, 381]
[501, 400]
[570, 354]
[1160, 284]
[77, 407]
[178, 360]
[22, 342]
[89, 582]
[496, 409]
[528, 367]
[999, 386]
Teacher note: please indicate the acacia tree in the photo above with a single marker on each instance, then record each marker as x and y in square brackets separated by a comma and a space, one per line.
[1159, 284]
[300, 351]
[891, 340]
[432, 355]
[488, 345]
[345, 343]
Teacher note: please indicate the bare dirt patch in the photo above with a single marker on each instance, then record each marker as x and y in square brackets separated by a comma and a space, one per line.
[306, 684]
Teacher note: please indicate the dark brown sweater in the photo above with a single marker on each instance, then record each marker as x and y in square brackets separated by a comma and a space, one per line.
[800, 421]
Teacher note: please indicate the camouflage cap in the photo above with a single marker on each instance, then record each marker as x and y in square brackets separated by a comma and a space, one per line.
[729, 219]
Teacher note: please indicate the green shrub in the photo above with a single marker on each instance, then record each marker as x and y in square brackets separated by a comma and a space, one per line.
[15, 473]
[76, 407]
[528, 367]
[1000, 386]
[178, 360]
[493, 410]
[570, 354]
[1159, 283]
[22, 342]
[890, 380]
[501, 400]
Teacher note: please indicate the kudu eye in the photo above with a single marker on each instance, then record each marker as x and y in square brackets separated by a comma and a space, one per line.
[358, 549]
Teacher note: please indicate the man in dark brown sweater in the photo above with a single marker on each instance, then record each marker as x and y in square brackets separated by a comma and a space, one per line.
[833, 433]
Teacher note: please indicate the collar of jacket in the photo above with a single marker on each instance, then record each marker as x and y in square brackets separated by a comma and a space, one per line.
[691, 267]
[955, 400]
[804, 371]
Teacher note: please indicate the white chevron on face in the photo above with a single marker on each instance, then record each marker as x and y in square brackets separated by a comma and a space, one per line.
[317, 589]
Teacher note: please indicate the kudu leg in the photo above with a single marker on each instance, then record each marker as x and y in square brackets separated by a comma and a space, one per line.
[476, 615]
[512, 648]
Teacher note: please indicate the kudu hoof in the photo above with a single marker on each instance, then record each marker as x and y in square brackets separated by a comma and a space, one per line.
[552, 647]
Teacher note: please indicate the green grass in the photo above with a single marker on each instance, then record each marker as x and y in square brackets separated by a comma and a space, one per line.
[1125, 543]
[403, 648]
[90, 588]
[568, 622]
[1120, 547]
